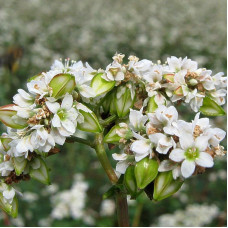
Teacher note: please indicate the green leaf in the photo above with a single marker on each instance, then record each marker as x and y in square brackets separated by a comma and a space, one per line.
[146, 171]
[100, 85]
[211, 108]
[110, 193]
[165, 185]
[40, 174]
[62, 84]
[19, 164]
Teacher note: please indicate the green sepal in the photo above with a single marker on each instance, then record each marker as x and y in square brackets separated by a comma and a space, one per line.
[41, 174]
[91, 123]
[100, 85]
[124, 102]
[5, 143]
[165, 185]
[6, 114]
[130, 181]
[211, 108]
[34, 78]
[62, 84]
[152, 105]
[146, 171]
[10, 209]
[19, 164]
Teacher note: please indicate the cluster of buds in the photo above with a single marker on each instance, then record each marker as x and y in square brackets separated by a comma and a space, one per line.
[129, 103]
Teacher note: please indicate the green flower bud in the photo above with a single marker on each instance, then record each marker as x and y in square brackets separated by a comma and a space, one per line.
[39, 171]
[165, 185]
[10, 209]
[117, 133]
[152, 105]
[211, 108]
[6, 116]
[146, 171]
[193, 82]
[62, 84]
[130, 181]
[124, 100]
[100, 85]
[90, 122]
[19, 164]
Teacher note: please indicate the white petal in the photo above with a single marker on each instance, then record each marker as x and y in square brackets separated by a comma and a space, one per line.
[86, 91]
[68, 125]
[67, 102]
[177, 155]
[186, 141]
[121, 166]
[166, 165]
[140, 147]
[56, 121]
[201, 143]
[176, 172]
[119, 157]
[53, 107]
[155, 138]
[187, 168]
[204, 160]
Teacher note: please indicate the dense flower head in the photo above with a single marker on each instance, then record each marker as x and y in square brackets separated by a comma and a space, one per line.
[139, 94]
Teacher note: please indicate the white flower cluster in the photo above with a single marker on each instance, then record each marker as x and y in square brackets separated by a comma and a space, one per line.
[71, 203]
[179, 146]
[195, 215]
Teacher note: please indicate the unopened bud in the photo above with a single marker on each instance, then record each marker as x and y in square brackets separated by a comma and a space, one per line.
[193, 82]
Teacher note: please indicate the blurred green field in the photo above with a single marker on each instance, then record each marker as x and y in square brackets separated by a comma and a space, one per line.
[33, 33]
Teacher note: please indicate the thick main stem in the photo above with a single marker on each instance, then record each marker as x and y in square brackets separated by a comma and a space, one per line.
[121, 200]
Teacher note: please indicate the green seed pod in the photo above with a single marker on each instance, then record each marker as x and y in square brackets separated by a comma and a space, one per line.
[62, 84]
[146, 171]
[6, 116]
[5, 143]
[90, 122]
[165, 185]
[130, 181]
[19, 164]
[100, 85]
[152, 105]
[124, 99]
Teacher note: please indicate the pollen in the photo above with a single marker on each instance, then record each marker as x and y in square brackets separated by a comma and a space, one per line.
[197, 131]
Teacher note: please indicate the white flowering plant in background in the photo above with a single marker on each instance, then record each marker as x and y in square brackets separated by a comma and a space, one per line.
[131, 104]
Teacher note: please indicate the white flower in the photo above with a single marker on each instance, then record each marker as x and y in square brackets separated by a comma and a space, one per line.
[191, 153]
[162, 142]
[219, 96]
[141, 147]
[6, 167]
[38, 87]
[23, 99]
[137, 119]
[140, 67]
[65, 115]
[114, 72]
[123, 162]
[8, 192]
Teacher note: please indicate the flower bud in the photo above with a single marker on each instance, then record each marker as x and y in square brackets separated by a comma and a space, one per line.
[130, 181]
[211, 108]
[165, 185]
[62, 84]
[39, 171]
[193, 82]
[146, 171]
[100, 85]
[10, 209]
[124, 100]
[19, 164]
[89, 120]
[7, 113]
[117, 133]
[152, 105]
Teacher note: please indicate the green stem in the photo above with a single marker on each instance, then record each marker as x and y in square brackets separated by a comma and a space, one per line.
[107, 121]
[102, 156]
[121, 200]
[79, 140]
[138, 213]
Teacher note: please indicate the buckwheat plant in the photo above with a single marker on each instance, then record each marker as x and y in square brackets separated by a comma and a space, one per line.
[131, 105]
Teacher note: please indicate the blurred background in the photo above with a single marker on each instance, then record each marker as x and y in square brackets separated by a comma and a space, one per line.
[33, 33]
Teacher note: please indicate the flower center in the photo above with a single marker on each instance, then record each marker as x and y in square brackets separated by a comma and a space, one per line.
[192, 153]
[62, 114]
